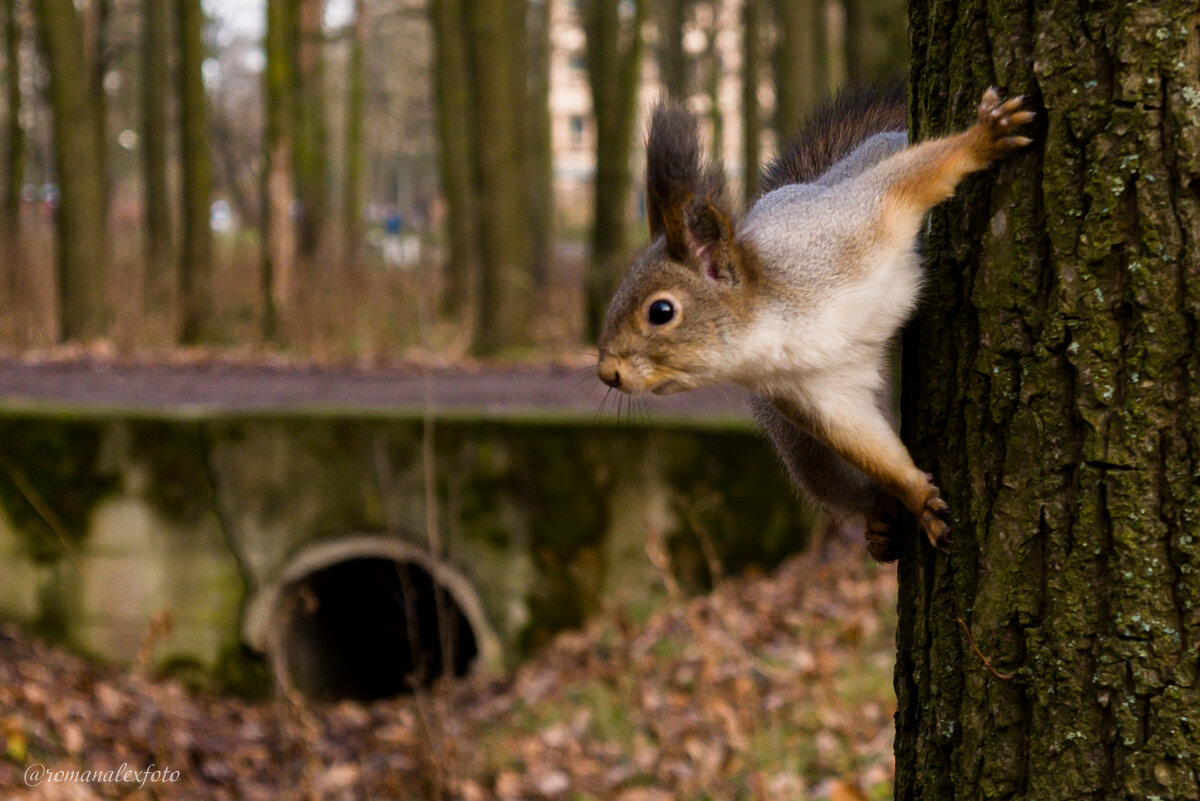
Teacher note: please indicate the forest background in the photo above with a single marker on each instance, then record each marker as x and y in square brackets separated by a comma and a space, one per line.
[372, 181]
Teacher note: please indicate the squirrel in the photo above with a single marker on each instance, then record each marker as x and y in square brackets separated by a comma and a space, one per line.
[799, 300]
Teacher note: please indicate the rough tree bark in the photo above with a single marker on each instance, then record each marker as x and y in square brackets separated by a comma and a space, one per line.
[79, 167]
[1052, 385]
[195, 264]
[155, 77]
[614, 57]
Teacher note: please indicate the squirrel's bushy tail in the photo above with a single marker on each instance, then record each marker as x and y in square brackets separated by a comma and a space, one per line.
[834, 129]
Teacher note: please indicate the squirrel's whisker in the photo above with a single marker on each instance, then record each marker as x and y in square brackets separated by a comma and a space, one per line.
[600, 408]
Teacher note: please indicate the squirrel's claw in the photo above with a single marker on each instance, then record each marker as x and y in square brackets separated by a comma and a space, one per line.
[996, 119]
[931, 516]
[931, 521]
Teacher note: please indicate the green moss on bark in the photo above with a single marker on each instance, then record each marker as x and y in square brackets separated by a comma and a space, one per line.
[1051, 387]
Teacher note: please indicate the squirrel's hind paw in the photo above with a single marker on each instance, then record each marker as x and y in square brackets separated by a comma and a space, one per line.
[882, 543]
[936, 529]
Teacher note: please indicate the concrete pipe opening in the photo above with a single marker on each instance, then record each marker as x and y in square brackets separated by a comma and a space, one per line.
[368, 622]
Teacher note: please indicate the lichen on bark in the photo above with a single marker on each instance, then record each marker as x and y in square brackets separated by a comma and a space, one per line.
[1051, 386]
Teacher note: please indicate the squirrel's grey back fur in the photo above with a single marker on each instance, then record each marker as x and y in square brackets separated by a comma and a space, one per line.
[833, 130]
[825, 138]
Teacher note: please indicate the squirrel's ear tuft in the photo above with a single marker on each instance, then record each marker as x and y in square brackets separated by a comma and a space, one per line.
[685, 198]
[672, 174]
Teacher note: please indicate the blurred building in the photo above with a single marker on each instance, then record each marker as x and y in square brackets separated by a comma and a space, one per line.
[708, 43]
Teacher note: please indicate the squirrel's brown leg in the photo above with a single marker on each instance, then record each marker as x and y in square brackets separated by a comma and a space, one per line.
[927, 173]
[856, 430]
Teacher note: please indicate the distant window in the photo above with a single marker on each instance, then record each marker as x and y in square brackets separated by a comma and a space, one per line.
[575, 126]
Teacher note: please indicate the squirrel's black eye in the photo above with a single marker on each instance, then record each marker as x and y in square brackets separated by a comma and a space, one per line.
[661, 312]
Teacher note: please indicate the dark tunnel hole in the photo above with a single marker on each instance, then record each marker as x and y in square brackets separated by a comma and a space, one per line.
[370, 628]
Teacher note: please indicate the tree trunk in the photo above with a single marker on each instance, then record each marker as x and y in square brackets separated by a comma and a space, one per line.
[1052, 385]
[876, 40]
[800, 74]
[712, 87]
[670, 18]
[309, 123]
[353, 169]
[540, 157]
[751, 110]
[160, 265]
[195, 266]
[614, 61]
[503, 230]
[279, 232]
[14, 160]
[452, 92]
[79, 169]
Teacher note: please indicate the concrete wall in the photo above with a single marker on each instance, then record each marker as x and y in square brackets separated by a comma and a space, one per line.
[107, 520]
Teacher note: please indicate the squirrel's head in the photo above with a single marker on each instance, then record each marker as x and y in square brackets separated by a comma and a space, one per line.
[670, 324]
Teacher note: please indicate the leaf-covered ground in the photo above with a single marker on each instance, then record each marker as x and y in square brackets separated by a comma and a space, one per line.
[772, 687]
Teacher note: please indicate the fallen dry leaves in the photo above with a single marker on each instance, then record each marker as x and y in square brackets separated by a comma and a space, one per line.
[772, 687]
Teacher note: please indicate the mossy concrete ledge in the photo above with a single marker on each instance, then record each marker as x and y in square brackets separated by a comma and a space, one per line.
[108, 520]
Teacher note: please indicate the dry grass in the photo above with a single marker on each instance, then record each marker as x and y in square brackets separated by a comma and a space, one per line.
[368, 315]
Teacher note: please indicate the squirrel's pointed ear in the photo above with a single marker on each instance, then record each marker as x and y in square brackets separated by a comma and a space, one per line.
[711, 233]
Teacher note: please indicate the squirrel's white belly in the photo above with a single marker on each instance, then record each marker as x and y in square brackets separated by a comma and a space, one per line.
[849, 330]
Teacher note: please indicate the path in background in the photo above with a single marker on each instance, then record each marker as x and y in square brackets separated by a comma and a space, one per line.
[505, 391]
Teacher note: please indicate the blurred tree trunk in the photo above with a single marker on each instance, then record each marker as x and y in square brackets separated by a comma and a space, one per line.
[155, 77]
[353, 178]
[1052, 385]
[452, 92]
[501, 183]
[540, 161]
[195, 266]
[800, 60]
[751, 111]
[670, 17]
[279, 231]
[876, 40]
[13, 156]
[309, 124]
[80, 171]
[614, 50]
[712, 87]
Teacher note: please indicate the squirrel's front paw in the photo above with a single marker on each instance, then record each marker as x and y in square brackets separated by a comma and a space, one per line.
[931, 519]
[993, 131]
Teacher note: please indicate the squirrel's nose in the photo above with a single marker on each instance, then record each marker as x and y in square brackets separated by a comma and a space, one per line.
[608, 372]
